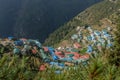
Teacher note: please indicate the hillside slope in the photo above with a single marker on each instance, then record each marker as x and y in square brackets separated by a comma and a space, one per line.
[91, 16]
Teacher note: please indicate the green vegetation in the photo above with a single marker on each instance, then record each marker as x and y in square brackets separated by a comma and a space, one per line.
[90, 16]
[83, 51]
[101, 66]
[114, 56]
[61, 33]
[26, 68]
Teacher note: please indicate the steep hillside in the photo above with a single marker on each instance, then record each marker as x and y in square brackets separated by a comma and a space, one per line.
[94, 53]
[91, 16]
[32, 18]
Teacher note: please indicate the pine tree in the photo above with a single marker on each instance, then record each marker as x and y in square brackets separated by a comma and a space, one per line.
[114, 56]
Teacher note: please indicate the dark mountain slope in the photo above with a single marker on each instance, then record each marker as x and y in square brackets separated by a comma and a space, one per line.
[8, 14]
[37, 18]
[90, 16]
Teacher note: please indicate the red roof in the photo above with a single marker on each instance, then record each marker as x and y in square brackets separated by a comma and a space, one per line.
[77, 45]
[45, 49]
[42, 68]
[68, 53]
[75, 57]
[58, 53]
[34, 51]
[86, 56]
[76, 54]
